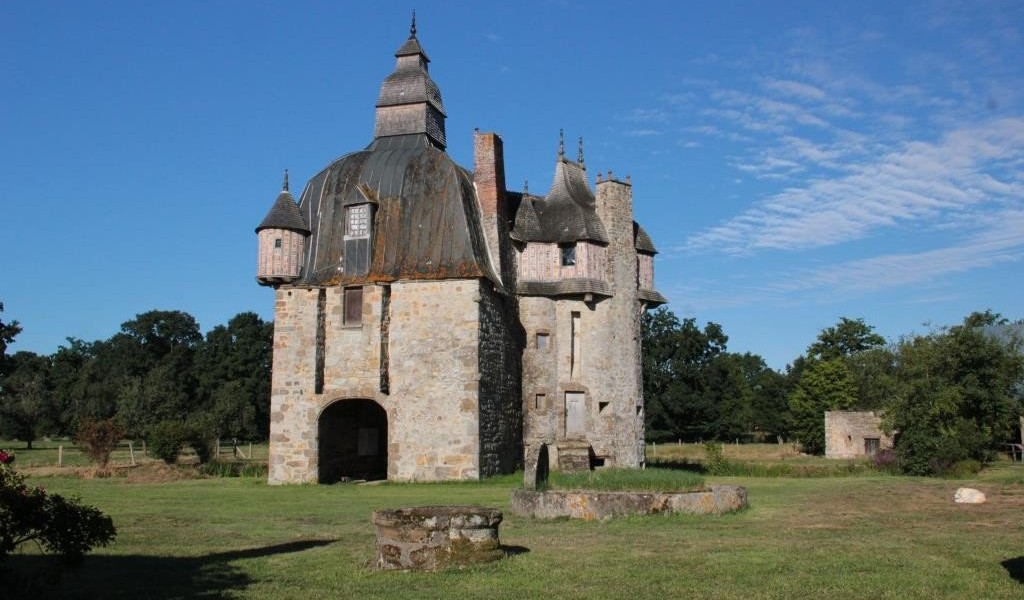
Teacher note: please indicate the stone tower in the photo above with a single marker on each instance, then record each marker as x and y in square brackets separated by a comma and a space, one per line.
[580, 305]
[431, 324]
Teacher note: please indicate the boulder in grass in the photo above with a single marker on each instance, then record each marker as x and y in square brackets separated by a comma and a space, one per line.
[969, 496]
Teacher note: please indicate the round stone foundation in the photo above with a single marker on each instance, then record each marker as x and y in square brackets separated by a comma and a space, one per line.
[428, 538]
[589, 505]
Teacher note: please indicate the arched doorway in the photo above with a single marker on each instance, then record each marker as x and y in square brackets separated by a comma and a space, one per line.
[352, 441]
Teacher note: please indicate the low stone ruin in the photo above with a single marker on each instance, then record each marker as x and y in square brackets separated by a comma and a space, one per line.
[591, 505]
[430, 538]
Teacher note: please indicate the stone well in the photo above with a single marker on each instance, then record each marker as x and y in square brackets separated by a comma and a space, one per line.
[590, 505]
[428, 538]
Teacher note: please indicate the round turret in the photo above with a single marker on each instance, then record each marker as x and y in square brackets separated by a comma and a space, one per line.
[282, 241]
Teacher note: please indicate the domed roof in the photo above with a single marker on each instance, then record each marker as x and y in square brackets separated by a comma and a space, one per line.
[427, 223]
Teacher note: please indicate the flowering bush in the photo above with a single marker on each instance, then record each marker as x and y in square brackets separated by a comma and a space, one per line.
[59, 525]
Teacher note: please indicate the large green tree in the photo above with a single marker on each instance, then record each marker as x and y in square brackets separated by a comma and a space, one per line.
[957, 397]
[695, 389]
[824, 385]
[27, 407]
[233, 372]
[846, 338]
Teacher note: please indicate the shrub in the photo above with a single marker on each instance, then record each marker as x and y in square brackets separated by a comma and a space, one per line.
[59, 525]
[97, 439]
[715, 462]
[166, 439]
[216, 468]
[962, 469]
[886, 460]
[201, 444]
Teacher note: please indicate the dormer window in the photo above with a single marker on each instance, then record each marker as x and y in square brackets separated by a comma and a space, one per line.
[568, 255]
[357, 220]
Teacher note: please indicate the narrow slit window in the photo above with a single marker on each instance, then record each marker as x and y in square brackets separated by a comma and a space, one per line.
[575, 349]
[277, 242]
[543, 340]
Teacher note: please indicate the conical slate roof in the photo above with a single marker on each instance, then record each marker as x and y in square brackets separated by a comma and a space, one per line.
[284, 214]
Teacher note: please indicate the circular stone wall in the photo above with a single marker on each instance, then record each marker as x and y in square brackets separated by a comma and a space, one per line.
[428, 538]
[588, 505]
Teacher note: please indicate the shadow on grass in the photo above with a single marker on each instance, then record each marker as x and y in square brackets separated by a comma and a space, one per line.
[134, 576]
[1015, 567]
[511, 551]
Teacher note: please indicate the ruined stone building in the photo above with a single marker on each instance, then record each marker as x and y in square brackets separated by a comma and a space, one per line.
[430, 324]
[852, 434]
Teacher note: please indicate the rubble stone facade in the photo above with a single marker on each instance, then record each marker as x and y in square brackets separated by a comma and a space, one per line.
[853, 434]
[431, 324]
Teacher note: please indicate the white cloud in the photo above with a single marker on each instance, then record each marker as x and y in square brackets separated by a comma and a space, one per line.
[921, 182]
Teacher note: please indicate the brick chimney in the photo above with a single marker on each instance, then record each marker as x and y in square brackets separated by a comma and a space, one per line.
[489, 179]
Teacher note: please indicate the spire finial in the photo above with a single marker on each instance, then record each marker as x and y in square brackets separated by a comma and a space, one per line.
[412, 30]
[561, 144]
[285, 188]
[581, 152]
[526, 187]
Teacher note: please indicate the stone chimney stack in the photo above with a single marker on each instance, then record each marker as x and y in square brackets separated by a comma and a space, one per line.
[489, 179]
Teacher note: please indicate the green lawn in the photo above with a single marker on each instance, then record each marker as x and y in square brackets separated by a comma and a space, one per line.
[846, 537]
[54, 453]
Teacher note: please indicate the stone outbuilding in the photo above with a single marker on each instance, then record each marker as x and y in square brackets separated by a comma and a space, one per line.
[853, 434]
[430, 324]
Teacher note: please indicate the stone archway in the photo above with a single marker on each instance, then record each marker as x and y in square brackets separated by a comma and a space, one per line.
[352, 441]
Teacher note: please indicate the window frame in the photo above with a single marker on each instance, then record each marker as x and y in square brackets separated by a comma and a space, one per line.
[348, 318]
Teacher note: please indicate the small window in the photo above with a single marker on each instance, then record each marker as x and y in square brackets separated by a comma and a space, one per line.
[353, 306]
[601, 406]
[871, 446]
[357, 220]
[277, 242]
[540, 402]
[568, 255]
[543, 340]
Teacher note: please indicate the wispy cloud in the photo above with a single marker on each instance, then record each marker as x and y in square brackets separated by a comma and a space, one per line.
[921, 182]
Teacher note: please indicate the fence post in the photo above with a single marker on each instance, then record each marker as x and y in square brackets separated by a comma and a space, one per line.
[131, 451]
[60, 456]
[250, 450]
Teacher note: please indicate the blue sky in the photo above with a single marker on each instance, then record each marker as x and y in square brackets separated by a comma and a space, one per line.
[794, 162]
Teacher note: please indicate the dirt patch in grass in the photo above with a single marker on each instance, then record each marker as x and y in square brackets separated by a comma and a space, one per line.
[148, 472]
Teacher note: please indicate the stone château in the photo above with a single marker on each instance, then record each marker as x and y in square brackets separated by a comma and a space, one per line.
[430, 324]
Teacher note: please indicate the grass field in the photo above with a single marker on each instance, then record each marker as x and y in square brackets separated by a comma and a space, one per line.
[844, 537]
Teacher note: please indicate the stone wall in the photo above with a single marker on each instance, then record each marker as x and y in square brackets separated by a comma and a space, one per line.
[845, 432]
[435, 386]
[434, 396]
[501, 417]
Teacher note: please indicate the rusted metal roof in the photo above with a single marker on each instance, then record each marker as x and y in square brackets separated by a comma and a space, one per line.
[427, 223]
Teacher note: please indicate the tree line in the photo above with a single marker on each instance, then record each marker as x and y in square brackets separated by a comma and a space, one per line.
[159, 368]
[955, 394]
